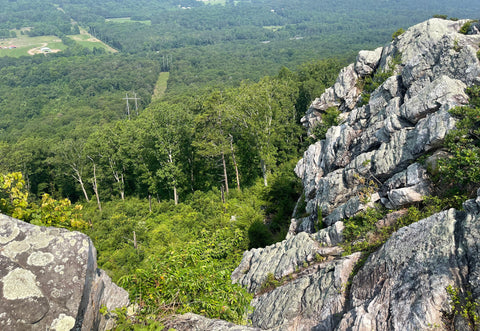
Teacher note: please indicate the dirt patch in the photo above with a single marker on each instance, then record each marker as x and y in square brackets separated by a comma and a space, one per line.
[38, 50]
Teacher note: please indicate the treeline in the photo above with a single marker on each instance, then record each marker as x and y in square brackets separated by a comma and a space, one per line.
[226, 137]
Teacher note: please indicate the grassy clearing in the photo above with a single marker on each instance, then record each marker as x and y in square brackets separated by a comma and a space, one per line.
[274, 28]
[215, 2]
[26, 45]
[161, 85]
[86, 40]
[127, 20]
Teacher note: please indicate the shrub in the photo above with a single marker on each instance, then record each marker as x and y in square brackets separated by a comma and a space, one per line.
[397, 33]
[50, 212]
[466, 27]
[460, 173]
[464, 305]
[269, 284]
[329, 119]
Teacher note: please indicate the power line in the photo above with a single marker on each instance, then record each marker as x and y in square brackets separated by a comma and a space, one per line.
[128, 103]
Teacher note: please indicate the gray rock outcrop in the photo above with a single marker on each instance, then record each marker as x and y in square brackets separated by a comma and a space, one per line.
[49, 280]
[371, 157]
[194, 322]
[403, 285]
[314, 301]
[406, 117]
[287, 257]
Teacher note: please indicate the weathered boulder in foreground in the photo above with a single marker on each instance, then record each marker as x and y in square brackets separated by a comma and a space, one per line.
[49, 280]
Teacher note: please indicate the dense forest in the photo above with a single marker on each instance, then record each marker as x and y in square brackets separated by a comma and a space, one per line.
[172, 190]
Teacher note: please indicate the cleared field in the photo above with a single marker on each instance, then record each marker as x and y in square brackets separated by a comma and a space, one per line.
[161, 85]
[273, 27]
[88, 41]
[126, 20]
[24, 45]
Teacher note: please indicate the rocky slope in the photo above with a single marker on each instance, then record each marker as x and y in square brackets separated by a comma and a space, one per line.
[49, 280]
[371, 158]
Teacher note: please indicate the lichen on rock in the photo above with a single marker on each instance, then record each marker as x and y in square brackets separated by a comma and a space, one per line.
[49, 280]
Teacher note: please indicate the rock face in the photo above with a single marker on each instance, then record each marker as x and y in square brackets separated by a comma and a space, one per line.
[371, 157]
[403, 285]
[313, 301]
[406, 117]
[49, 280]
[286, 257]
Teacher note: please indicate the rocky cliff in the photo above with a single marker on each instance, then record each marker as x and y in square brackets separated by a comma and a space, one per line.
[49, 280]
[304, 282]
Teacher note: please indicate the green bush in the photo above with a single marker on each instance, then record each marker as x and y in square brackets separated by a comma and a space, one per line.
[460, 173]
[329, 119]
[397, 33]
[466, 27]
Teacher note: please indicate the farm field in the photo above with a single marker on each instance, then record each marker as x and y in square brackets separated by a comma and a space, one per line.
[24, 45]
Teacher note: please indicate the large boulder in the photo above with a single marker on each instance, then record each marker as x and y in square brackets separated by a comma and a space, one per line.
[287, 257]
[403, 286]
[49, 280]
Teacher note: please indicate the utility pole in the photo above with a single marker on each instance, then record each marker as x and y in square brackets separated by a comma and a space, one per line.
[136, 104]
[128, 104]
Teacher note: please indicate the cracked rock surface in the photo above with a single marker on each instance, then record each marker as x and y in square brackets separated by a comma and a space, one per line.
[49, 280]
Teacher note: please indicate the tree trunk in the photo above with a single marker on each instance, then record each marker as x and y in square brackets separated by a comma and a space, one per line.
[264, 172]
[95, 185]
[122, 190]
[235, 163]
[175, 195]
[78, 177]
[118, 178]
[225, 177]
[83, 189]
